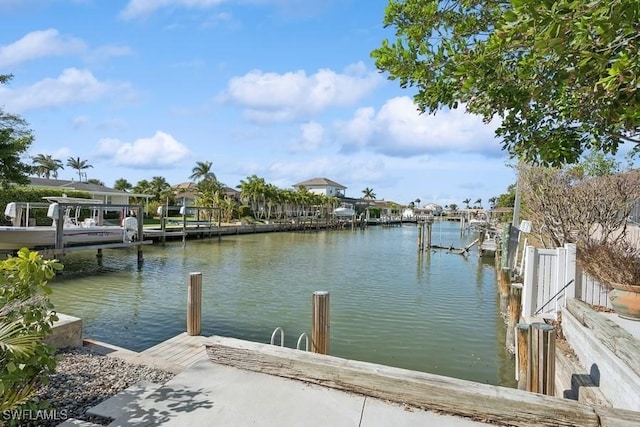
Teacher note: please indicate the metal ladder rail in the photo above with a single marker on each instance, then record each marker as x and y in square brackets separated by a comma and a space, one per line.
[273, 336]
[306, 337]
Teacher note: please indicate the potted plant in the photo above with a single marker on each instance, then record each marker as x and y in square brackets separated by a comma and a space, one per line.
[616, 265]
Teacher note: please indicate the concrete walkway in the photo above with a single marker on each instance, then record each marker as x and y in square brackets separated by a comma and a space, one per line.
[207, 394]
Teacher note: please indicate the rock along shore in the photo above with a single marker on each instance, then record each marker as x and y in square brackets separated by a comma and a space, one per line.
[84, 378]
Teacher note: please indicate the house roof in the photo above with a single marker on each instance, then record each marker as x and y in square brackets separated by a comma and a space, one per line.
[89, 187]
[319, 182]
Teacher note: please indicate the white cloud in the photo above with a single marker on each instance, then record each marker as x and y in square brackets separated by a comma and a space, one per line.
[276, 97]
[108, 51]
[39, 44]
[142, 8]
[73, 86]
[398, 129]
[160, 150]
[312, 137]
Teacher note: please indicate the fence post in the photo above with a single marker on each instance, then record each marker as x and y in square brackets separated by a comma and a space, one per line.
[528, 294]
[570, 271]
[320, 322]
[194, 304]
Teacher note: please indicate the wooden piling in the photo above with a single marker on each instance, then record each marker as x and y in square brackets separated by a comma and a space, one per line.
[320, 322]
[543, 345]
[194, 304]
[523, 332]
[420, 236]
[514, 311]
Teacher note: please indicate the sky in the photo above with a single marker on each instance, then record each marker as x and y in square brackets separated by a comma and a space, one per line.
[283, 89]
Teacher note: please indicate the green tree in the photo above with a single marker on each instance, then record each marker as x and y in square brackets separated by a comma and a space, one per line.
[466, 202]
[95, 181]
[202, 170]
[368, 194]
[46, 166]
[15, 140]
[161, 190]
[26, 316]
[122, 184]
[561, 75]
[79, 165]
[595, 164]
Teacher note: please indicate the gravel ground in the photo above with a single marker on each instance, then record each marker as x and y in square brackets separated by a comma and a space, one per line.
[84, 378]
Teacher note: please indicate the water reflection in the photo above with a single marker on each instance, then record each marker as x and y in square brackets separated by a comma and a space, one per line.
[431, 311]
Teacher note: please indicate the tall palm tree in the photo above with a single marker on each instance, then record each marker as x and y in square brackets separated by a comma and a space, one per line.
[368, 194]
[478, 202]
[46, 166]
[466, 202]
[202, 170]
[160, 189]
[79, 165]
[122, 184]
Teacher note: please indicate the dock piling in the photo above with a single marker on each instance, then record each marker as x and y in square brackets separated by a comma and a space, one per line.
[320, 322]
[194, 304]
[536, 357]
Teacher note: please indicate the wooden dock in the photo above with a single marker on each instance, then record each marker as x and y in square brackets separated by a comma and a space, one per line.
[183, 350]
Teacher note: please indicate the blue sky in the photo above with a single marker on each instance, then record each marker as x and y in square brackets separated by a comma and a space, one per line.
[284, 89]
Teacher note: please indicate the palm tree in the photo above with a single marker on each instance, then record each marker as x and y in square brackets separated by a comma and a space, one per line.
[368, 194]
[79, 165]
[46, 166]
[160, 189]
[478, 202]
[202, 170]
[122, 185]
[466, 202]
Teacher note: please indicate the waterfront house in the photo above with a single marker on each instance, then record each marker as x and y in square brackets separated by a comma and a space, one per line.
[187, 192]
[96, 191]
[323, 186]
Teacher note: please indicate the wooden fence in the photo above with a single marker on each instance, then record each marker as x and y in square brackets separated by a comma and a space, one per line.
[551, 276]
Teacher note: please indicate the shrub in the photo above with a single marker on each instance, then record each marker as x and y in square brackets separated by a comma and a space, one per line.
[26, 317]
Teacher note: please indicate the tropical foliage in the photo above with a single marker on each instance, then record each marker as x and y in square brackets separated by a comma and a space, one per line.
[79, 165]
[46, 166]
[26, 316]
[562, 76]
[15, 140]
[122, 184]
[368, 194]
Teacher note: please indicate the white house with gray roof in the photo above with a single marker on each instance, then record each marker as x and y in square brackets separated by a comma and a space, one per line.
[323, 186]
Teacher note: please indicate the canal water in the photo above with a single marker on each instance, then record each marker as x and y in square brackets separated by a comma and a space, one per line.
[433, 311]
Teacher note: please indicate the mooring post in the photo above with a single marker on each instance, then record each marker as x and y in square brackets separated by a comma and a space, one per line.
[140, 233]
[420, 233]
[523, 335]
[514, 310]
[194, 304]
[543, 346]
[320, 322]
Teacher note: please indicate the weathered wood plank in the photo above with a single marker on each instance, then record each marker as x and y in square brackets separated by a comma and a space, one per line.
[433, 392]
[620, 342]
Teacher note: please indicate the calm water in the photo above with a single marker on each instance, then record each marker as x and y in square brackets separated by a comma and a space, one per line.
[434, 312]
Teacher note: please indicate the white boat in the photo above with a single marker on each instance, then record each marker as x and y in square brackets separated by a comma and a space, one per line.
[75, 229]
[344, 210]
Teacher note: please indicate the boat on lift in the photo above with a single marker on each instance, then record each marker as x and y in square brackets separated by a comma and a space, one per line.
[80, 221]
[344, 210]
